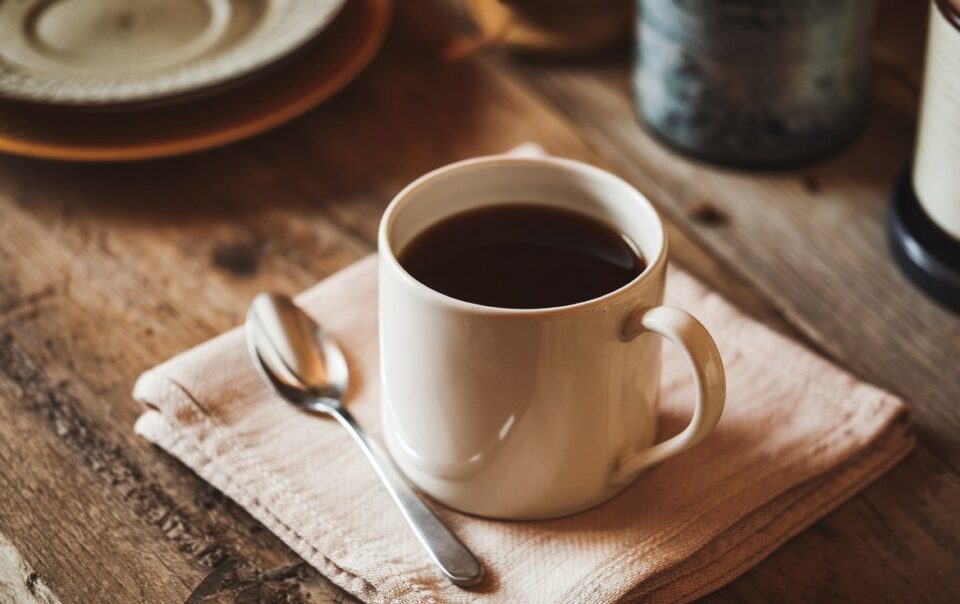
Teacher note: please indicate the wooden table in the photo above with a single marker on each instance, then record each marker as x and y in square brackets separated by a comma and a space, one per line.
[105, 270]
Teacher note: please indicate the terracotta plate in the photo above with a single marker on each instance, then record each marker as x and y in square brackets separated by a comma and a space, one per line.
[319, 70]
[89, 52]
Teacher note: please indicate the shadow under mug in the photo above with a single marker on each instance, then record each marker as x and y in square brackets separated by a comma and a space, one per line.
[531, 413]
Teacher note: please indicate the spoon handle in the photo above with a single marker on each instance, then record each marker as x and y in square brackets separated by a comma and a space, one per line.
[448, 552]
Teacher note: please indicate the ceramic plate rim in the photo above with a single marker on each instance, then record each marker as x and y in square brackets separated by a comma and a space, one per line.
[217, 70]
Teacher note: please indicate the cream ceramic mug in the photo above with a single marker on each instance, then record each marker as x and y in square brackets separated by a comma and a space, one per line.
[531, 413]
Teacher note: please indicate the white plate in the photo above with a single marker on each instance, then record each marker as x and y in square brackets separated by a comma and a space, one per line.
[96, 52]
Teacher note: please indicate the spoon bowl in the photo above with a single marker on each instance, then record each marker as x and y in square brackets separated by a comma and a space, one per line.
[293, 351]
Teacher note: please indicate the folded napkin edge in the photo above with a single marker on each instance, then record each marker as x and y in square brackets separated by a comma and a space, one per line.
[891, 446]
[169, 408]
[156, 390]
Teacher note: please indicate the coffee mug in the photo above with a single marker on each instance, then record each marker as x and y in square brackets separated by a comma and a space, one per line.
[531, 413]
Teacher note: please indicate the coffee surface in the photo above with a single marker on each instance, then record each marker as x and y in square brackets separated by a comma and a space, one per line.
[522, 256]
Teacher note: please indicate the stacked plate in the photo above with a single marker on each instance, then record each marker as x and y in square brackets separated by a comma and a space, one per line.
[114, 80]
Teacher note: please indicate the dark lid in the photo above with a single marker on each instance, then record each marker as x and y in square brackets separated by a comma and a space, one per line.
[923, 251]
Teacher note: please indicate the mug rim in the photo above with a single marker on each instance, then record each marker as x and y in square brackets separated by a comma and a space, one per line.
[385, 249]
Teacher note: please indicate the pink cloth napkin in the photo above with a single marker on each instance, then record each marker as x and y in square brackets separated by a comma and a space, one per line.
[798, 437]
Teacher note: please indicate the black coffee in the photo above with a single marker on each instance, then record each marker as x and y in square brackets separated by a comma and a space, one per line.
[522, 256]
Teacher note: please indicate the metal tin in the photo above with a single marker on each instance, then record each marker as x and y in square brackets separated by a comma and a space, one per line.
[755, 82]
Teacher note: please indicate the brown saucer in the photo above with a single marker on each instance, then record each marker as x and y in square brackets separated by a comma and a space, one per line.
[319, 70]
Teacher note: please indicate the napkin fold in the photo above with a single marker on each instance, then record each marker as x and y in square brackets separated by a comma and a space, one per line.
[798, 437]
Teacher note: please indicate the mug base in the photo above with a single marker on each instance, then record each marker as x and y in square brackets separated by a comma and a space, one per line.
[447, 493]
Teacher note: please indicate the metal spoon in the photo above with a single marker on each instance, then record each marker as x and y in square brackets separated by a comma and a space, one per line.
[293, 355]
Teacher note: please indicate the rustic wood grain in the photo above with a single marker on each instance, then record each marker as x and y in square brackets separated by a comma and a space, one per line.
[107, 270]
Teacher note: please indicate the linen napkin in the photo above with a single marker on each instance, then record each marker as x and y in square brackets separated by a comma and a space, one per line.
[798, 437]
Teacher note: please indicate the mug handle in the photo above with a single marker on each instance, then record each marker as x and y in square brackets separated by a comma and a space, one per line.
[692, 337]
